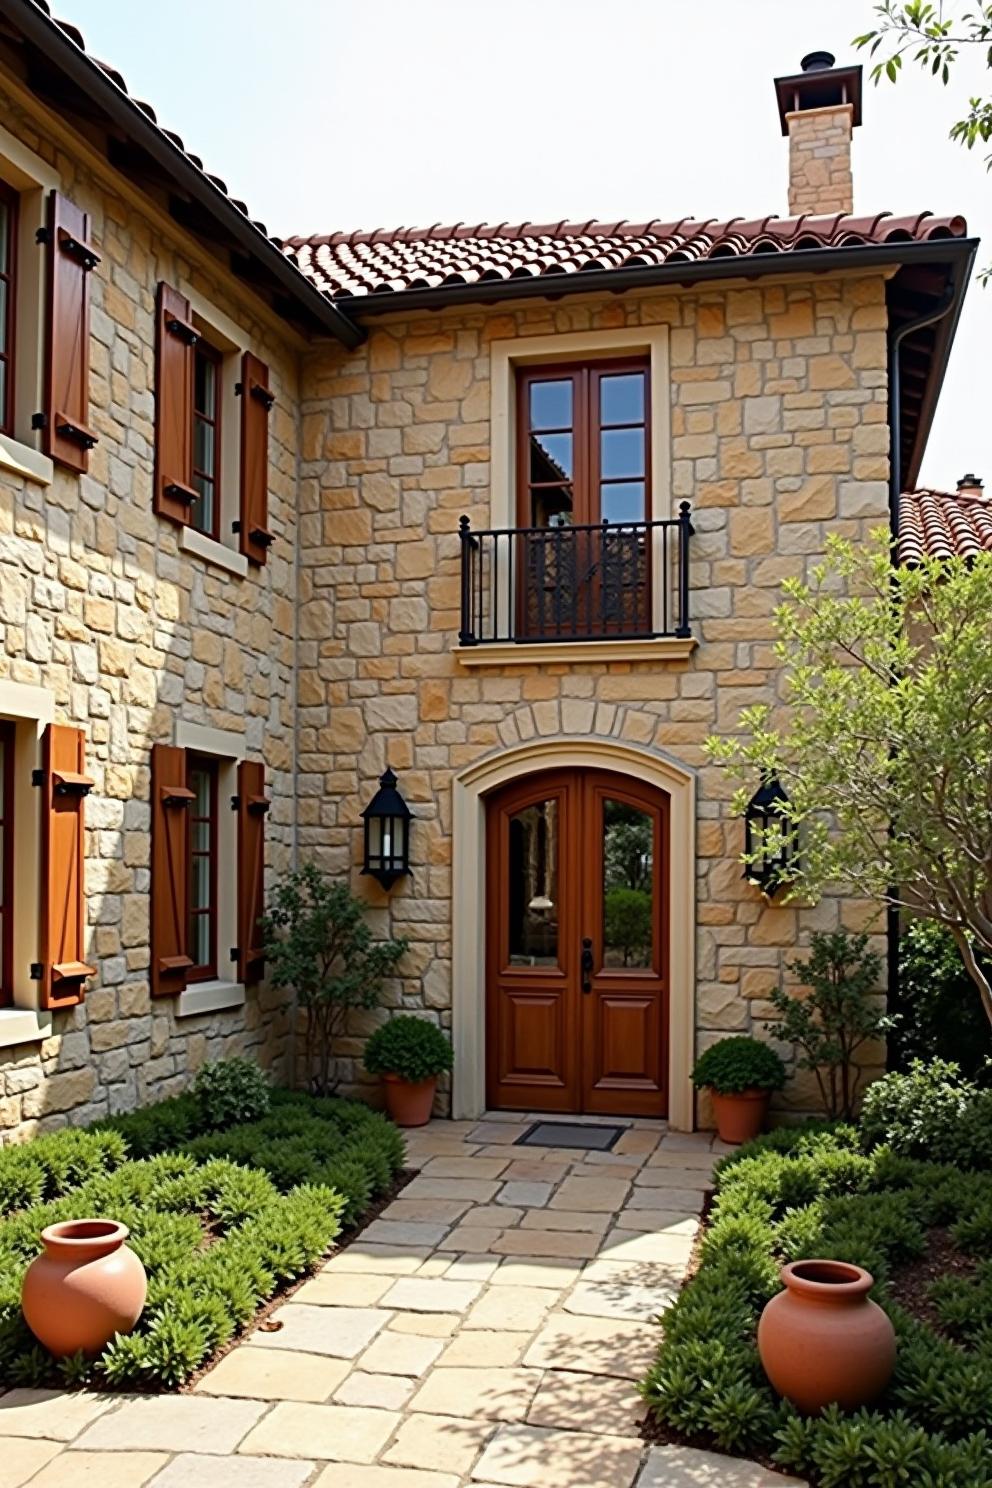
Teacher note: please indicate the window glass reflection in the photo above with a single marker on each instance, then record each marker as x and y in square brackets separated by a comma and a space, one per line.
[533, 885]
[628, 886]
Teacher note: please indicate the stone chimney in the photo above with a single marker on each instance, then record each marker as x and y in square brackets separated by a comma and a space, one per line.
[971, 485]
[819, 107]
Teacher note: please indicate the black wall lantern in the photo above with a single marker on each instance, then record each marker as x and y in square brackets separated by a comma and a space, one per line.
[387, 833]
[769, 838]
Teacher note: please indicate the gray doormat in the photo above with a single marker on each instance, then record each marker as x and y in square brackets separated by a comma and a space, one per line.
[570, 1134]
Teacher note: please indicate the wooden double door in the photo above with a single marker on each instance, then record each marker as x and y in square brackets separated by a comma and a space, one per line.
[577, 945]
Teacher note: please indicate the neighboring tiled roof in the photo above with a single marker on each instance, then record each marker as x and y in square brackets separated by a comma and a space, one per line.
[937, 524]
[350, 265]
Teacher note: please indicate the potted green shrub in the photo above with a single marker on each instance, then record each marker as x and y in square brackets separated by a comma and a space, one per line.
[409, 1053]
[740, 1074]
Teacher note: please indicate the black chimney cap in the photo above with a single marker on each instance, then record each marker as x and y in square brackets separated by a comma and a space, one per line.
[817, 61]
[970, 480]
[819, 85]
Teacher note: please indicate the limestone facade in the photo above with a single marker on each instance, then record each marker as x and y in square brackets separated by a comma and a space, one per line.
[339, 656]
[820, 178]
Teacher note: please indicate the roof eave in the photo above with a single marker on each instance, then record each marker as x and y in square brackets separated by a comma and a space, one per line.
[804, 261]
[43, 32]
[962, 271]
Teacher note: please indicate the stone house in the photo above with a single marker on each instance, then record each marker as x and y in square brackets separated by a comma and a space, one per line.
[504, 510]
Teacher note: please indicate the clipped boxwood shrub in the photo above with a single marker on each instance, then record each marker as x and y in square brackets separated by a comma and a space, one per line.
[231, 1091]
[739, 1063]
[410, 1047]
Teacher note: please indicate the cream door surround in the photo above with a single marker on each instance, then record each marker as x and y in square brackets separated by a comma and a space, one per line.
[469, 791]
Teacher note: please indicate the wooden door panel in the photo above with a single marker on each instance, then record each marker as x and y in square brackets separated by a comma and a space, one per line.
[625, 1071]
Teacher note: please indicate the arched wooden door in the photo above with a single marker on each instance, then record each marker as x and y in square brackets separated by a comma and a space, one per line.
[577, 945]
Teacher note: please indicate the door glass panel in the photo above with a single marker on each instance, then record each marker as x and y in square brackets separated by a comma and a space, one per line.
[628, 886]
[621, 453]
[533, 885]
[622, 501]
[551, 458]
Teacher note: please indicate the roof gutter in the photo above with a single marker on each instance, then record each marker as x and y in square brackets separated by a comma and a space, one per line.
[696, 271]
[43, 32]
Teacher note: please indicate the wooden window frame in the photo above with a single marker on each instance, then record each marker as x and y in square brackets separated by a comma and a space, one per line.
[8, 897]
[585, 377]
[212, 354]
[8, 345]
[209, 764]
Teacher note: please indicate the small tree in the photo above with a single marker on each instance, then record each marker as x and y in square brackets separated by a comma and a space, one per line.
[832, 1021]
[885, 749]
[319, 945]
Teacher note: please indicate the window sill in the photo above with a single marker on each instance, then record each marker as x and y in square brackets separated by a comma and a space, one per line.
[659, 650]
[25, 461]
[212, 551]
[209, 997]
[23, 1026]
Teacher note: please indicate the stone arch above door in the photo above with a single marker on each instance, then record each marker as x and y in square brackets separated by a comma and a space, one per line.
[533, 751]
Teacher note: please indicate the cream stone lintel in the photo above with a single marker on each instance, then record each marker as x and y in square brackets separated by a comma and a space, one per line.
[209, 997]
[203, 739]
[470, 789]
[557, 653]
[191, 540]
[24, 461]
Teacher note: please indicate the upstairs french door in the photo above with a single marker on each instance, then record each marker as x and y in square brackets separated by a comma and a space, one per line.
[584, 500]
[577, 945]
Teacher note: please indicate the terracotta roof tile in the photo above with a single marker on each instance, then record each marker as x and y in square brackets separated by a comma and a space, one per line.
[937, 524]
[352, 265]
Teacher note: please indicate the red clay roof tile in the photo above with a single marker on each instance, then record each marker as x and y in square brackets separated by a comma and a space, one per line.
[352, 265]
[938, 524]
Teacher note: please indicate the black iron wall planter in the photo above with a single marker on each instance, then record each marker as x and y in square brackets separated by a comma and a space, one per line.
[769, 838]
[387, 833]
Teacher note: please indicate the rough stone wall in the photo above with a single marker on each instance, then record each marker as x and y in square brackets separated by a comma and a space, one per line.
[820, 179]
[778, 407]
[99, 605]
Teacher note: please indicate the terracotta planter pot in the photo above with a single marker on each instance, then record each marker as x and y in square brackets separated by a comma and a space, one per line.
[822, 1341]
[84, 1287]
[410, 1103]
[740, 1117]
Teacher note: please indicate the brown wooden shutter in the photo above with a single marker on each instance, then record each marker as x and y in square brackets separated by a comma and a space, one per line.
[256, 400]
[64, 786]
[67, 437]
[171, 800]
[252, 806]
[175, 338]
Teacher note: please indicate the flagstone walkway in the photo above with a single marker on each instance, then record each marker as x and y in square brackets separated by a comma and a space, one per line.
[487, 1330]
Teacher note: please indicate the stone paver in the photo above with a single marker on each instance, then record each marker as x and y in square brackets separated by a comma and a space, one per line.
[172, 1423]
[487, 1330]
[274, 1374]
[334, 1433]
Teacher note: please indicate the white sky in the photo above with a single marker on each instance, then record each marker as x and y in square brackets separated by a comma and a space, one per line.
[326, 114]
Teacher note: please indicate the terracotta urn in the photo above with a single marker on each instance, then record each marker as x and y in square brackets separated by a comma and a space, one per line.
[822, 1341]
[84, 1287]
[740, 1117]
[408, 1102]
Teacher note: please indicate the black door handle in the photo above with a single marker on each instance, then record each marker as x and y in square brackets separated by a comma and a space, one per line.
[587, 964]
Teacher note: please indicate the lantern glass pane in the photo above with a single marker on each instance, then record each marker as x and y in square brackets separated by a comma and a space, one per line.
[374, 839]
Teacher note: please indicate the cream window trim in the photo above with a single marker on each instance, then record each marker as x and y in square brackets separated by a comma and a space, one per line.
[660, 650]
[31, 709]
[25, 461]
[468, 908]
[521, 351]
[231, 341]
[209, 997]
[33, 178]
[191, 540]
[20, 1025]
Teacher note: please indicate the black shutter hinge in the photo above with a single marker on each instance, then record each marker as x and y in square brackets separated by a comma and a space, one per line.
[235, 952]
[37, 971]
[235, 802]
[39, 421]
[37, 777]
[42, 236]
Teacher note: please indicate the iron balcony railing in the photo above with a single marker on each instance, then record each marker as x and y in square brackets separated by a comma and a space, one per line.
[608, 581]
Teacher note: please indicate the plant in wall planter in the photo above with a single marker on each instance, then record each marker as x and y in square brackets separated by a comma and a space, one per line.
[409, 1053]
[740, 1074]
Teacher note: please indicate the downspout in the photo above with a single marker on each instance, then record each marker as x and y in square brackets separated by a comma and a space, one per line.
[896, 338]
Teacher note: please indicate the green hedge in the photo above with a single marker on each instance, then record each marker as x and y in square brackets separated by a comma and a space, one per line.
[274, 1194]
[809, 1193]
